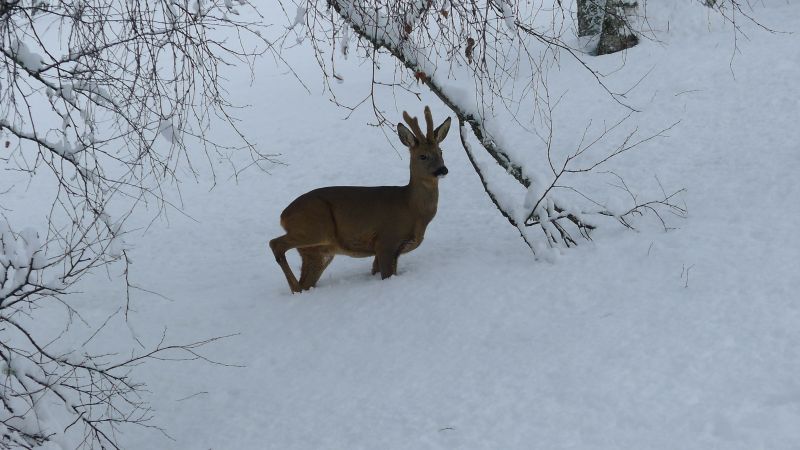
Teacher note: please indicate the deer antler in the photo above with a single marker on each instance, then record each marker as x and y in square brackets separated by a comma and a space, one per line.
[414, 124]
[429, 120]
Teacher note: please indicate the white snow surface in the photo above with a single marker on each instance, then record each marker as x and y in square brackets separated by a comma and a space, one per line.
[688, 339]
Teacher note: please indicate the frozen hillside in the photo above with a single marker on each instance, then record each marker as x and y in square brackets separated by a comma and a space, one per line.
[687, 339]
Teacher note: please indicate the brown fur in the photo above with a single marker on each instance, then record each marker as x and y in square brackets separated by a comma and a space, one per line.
[357, 221]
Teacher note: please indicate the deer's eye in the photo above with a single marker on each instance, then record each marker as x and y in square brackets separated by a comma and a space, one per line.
[423, 157]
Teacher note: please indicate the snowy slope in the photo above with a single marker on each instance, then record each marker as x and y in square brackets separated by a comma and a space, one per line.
[640, 340]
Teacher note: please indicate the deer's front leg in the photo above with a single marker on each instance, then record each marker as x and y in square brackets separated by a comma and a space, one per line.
[386, 258]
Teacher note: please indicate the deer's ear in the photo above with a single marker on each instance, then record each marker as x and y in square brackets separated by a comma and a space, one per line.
[406, 136]
[441, 131]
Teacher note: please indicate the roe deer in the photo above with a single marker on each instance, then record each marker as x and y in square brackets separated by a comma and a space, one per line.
[360, 221]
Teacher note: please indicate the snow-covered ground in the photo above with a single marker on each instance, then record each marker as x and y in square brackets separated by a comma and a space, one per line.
[688, 339]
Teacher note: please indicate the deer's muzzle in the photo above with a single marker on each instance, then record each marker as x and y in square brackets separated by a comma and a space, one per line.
[441, 172]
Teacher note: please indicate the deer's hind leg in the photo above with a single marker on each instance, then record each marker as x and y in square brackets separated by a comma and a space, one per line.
[315, 261]
[308, 224]
[280, 246]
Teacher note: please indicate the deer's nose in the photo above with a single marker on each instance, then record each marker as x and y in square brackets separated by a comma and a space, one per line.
[441, 171]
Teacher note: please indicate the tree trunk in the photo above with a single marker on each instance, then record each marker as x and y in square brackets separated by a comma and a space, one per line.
[617, 34]
[590, 17]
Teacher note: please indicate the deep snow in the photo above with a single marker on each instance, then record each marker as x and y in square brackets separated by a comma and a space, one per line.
[688, 339]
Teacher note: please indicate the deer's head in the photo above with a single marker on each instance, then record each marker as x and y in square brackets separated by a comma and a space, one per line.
[426, 156]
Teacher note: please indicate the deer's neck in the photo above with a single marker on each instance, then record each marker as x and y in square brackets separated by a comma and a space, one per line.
[423, 196]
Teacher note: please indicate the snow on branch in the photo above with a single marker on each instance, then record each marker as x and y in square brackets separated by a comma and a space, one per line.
[93, 83]
[103, 105]
[493, 45]
[95, 393]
